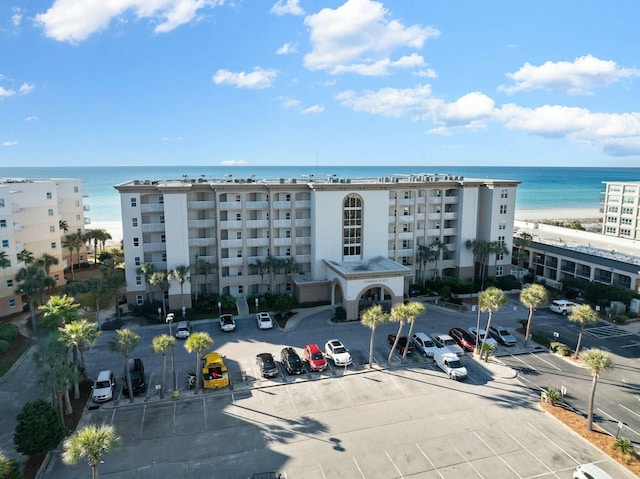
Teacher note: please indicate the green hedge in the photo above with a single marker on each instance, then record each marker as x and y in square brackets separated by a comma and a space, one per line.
[8, 332]
[4, 346]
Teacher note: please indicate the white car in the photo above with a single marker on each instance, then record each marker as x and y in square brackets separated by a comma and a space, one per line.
[446, 341]
[589, 471]
[481, 333]
[264, 320]
[424, 344]
[103, 387]
[227, 323]
[338, 353]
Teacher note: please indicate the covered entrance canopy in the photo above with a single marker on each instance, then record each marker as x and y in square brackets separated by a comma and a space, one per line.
[356, 285]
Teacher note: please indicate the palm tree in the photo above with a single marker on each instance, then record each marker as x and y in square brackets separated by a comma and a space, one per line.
[410, 311]
[437, 248]
[180, 274]
[58, 311]
[113, 274]
[481, 250]
[63, 225]
[73, 242]
[79, 334]
[51, 353]
[159, 280]
[371, 318]
[47, 261]
[532, 297]
[147, 270]
[397, 316]
[31, 283]
[92, 236]
[490, 301]
[5, 262]
[421, 260]
[582, 315]
[26, 256]
[521, 242]
[125, 342]
[161, 345]
[203, 267]
[198, 342]
[261, 267]
[596, 360]
[274, 265]
[498, 249]
[91, 442]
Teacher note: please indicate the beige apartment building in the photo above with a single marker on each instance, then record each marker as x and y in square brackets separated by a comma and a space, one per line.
[621, 209]
[31, 212]
[351, 241]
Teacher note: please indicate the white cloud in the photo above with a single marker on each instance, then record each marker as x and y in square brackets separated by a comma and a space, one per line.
[4, 92]
[313, 109]
[381, 67]
[258, 79]
[428, 73]
[9, 143]
[287, 48]
[74, 21]
[30, 118]
[359, 34]
[287, 102]
[287, 7]
[171, 138]
[26, 88]
[233, 163]
[574, 78]
[16, 17]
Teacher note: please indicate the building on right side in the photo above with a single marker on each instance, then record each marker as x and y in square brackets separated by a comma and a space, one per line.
[621, 209]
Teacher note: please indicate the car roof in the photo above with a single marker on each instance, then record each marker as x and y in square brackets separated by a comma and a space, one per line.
[265, 356]
[594, 470]
[312, 347]
[422, 336]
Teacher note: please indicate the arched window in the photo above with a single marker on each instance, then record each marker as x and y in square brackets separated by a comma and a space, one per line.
[352, 227]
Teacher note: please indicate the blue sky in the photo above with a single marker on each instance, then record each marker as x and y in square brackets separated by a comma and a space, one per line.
[297, 82]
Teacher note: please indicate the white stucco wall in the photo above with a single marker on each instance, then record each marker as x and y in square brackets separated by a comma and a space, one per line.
[176, 231]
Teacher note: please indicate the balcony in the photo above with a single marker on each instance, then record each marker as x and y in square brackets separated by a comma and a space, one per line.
[201, 205]
[196, 242]
[208, 223]
[282, 223]
[303, 258]
[231, 262]
[257, 205]
[228, 225]
[154, 247]
[151, 207]
[282, 241]
[450, 200]
[230, 205]
[303, 240]
[86, 208]
[257, 223]
[257, 242]
[231, 243]
[282, 205]
[435, 200]
[303, 222]
[451, 215]
[434, 216]
[300, 204]
[153, 227]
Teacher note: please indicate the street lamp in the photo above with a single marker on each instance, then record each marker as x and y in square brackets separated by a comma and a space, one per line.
[257, 304]
[159, 314]
[170, 320]
[219, 308]
[184, 311]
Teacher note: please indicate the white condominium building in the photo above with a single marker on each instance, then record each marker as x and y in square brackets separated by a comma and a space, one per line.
[31, 213]
[621, 209]
[351, 241]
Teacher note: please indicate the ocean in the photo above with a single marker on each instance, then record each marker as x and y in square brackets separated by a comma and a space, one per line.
[541, 188]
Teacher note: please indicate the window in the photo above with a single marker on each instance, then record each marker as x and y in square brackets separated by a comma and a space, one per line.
[627, 211]
[287, 234]
[288, 287]
[75, 189]
[77, 217]
[239, 253]
[611, 229]
[5, 243]
[287, 215]
[134, 202]
[52, 229]
[50, 212]
[502, 225]
[238, 216]
[287, 197]
[352, 226]
[405, 244]
[498, 271]
[407, 195]
[161, 219]
[134, 222]
[138, 280]
[49, 195]
[164, 257]
[56, 277]
[9, 283]
[287, 252]
[238, 198]
[136, 260]
[405, 211]
[625, 232]
[1, 202]
[626, 221]
[163, 238]
[136, 241]
[161, 200]
[501, 240]
[53, 245]
[504, 193]
[239, 235]
[12, 303]
[612, 219]
[139, 300]
[240, 289]
[503, 209]
[3, 223]
[612, 209]
[76, 203]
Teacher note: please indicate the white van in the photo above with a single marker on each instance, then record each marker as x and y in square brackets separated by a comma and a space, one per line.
[562, 306]
[103, 387]
[450, 363]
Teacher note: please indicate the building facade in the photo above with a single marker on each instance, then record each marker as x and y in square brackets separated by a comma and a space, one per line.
[349, 240]
[621, 209]
[32, 212]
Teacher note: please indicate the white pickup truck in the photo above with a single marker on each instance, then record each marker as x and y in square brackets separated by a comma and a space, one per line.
[450, 363]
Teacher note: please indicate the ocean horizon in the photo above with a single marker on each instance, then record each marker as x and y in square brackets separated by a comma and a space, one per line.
[541, 188]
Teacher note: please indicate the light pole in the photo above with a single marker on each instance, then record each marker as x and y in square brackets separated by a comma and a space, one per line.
[170, 320]
[184, 311]
[219, 308]
[478, 328]
[257, 304]
[159, 314]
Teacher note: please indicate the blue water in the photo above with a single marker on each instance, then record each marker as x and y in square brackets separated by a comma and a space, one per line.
[541, 188]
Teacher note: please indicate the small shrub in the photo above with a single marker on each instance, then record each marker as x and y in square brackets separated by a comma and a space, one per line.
[9, 332]
[38, 429]
[552, 395]
[9, 468]
[4, 346]
[632, 314]
[620, 319]
[340, 314]
[541, 339]
[623, 445]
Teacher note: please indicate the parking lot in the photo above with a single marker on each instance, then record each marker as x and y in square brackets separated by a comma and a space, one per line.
[403, 421]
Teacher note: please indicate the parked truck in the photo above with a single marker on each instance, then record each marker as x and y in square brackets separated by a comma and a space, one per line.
[450, 363]
[214, 371]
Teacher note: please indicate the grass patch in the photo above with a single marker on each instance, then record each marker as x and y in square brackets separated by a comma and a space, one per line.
[17, 347]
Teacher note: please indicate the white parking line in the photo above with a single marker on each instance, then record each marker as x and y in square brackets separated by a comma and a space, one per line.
[204, 406]
[359, 470]
[495, 453]
[545, 361]
[617, 420]
[632, 345]
[144, 411]
[322, 471]
[430, 461]
[626, 408]
[453, 446]
[552, 442]
[530, 453]
[526, 364]
[394, 464]
[292, 401]
[173, 430]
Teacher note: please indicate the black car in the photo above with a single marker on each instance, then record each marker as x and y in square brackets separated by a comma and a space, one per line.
[136, 370]
[267, 365]
[291, 361]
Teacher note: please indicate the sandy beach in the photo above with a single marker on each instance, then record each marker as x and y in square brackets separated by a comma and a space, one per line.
[114, 228]
[559, 214]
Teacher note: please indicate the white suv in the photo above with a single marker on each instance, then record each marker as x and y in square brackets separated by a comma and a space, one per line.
[424, 344]
[103, 387]
[446, 341]
[264, 321]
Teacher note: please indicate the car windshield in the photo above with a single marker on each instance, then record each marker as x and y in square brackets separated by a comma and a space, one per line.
[449, 342]
[428, 344]
[264, 318]
[504, 332]
[102, 384]
[455, 364]
[227, 320]
[339, 350]
[317, 356]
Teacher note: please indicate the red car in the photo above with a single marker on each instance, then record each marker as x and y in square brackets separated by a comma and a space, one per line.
[403, 343]
[315, 358]
[463, 338]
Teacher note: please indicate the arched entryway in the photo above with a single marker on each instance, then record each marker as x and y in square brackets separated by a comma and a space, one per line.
[373, 295]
